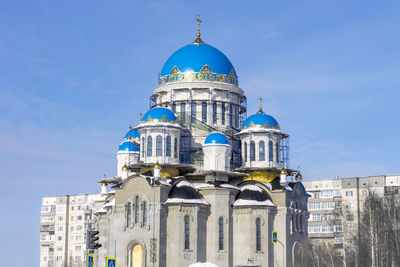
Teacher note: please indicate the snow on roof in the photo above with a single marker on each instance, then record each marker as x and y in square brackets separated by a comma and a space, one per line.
[166, 182]
[183, 183]
[247, 202]
[229, 186]
[203, 264]
[109, 204]
[251, 187]
[202, 185]
[101, 210]
[182, 200]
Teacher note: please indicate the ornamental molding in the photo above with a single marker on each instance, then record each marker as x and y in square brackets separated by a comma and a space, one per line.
[162, 120]
[266, 125]
[205, 74]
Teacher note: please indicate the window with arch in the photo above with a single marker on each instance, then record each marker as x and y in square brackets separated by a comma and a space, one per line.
[230, 115]
[277, 152]
[221, 233]
[144, 213]
[175, 147]
[204, 111]
[137, 210]
[158, 145]
[261, 150]
[142, 146]
[149, 146]
[214, 112]
[136, 255]
[193, 111]
[270, 151]
[128, 214]
[168, 146]
[252, 151]
[187, 234]
[258, 234]
[245, 152]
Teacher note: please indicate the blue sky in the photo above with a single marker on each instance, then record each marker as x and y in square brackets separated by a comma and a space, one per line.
[75, 74]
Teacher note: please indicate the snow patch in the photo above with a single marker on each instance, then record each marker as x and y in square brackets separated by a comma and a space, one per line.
[251, 187]
[184, 183]
[182, 200]
[202, 185]
[229, 186]
[246, 202]
[165, 181]
[203, 264]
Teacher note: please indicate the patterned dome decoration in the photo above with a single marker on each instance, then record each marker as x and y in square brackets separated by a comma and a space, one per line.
[132, 135]
[261, 121]
[129, 146]
[216, 138]
[198, 62]
[159, 115]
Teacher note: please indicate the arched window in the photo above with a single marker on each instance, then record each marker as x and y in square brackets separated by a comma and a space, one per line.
[221, 233]
[128, 214]
[187, 221]
[158, 145]
[258, 234]
[270, 151]
[193, 111]
[149, 146]
[176, 147]
[204, 111]
[144, 212]
[223, 111]
[261, 148]
[137, 210]
[168, 146]
[277, 152]
[252, 151]
[245, 152]
[142, 146]
[230, 115]
[137, 254]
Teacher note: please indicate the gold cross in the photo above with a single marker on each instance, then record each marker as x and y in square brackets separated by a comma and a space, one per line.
[198, 23]
[260, 110]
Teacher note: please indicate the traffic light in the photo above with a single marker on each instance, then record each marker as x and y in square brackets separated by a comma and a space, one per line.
[92, 238]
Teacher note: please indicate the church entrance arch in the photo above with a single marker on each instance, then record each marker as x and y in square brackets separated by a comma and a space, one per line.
[136, 254]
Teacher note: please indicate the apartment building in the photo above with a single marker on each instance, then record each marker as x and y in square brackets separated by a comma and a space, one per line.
[64, 221]
[335, 205]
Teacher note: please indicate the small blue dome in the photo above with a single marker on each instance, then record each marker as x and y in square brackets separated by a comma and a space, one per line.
[132, 135]
[216, 138]
[203, 59]
[159, 114]
[129, 146]
[261, 121]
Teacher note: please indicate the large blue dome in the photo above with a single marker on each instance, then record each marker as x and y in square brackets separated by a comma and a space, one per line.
[129, 146]
[198, 62]
[261, 121]
[159, 115]
[216, 138]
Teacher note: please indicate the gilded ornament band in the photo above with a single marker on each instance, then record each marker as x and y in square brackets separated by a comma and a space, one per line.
[205, 74]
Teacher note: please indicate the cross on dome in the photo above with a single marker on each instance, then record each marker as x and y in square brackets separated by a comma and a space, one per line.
[198, 39]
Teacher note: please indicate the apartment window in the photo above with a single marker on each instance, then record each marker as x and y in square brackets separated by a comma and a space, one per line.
[78, 248]
[79, 207]
[60, 218]
[137, 210]
[72, 228]
[270, 151]
[221, 233]
[60, 228]
[258, 234]
[223, 111]
[338, 228]
[327, 193]
[187, 221]
[349, 193]
[149, 146]
[159, 145]
[315, 217]
[79, 217]
[204, 111]
[72, 208]
[261, 149]
[338, 240]
[193, 111]
[350, 217]
[337, 204]
[59, 248]
[183, 112]
[252, 151]
[79, 227]
[316, 195]
[349, 205]
[349, 228]
[314, 205]
[78, 237]
[59, 238]
[176, 147]
[168, 146]
[59, 258]
[364, 192]
[60, 209]
[375, 192]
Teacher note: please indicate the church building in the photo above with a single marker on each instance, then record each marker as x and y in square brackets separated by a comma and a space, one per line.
[199, 181]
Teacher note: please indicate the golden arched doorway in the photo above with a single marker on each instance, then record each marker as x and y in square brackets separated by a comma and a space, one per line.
[137, 256]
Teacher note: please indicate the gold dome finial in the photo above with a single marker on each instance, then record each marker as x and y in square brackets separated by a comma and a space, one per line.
[283, 171]
[216, 128]
[298, 176]
[157, 166]
[125, 167]
[260, 108]
[198, 34]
